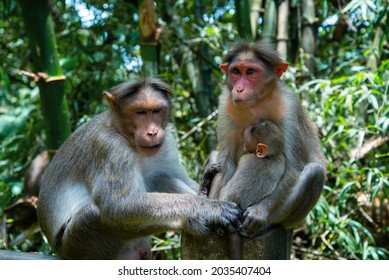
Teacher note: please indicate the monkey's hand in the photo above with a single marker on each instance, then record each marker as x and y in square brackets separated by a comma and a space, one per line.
[214, 214]
[209, 174]
[254, 221]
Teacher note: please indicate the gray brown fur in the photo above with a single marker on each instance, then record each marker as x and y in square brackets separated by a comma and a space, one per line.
[288, 205]
[301, 183]
[255, 178]
[101, 198]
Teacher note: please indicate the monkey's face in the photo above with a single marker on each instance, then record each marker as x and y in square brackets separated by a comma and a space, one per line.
[147, 117]
[246, 76]
[150, 130]
[249, 79]
[140, 111]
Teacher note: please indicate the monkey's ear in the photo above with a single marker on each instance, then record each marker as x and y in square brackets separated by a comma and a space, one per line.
[261, 150]
[224, 67]
[281, 68]
[110, 98]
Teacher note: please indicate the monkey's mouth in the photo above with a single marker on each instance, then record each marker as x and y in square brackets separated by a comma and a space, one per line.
[152, 148]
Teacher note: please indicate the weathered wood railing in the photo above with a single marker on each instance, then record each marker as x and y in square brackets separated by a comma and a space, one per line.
[13, 255]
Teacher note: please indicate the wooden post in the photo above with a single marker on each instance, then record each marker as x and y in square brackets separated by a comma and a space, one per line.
[275, 244]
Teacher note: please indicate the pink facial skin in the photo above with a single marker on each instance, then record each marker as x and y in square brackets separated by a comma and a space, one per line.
[246, 78]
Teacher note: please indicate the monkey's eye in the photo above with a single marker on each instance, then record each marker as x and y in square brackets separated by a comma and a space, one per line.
[157, 111]
[140, 112]
[250, 71]
[235, 71]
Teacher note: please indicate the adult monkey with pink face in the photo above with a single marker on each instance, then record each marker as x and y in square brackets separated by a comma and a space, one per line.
[254, 92]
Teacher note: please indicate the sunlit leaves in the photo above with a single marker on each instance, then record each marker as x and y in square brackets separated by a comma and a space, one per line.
[351, 111]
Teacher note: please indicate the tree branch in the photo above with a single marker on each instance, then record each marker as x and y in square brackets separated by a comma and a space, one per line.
[372, 144]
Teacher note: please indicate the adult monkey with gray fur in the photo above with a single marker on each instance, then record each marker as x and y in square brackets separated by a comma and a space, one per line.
[254, 92]
[118, 179]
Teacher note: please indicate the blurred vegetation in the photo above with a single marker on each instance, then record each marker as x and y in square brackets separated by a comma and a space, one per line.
[98, 45]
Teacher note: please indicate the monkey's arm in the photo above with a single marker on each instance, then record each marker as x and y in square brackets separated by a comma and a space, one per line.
[230, 147]
[227, 169]
[143, 214]
[253, 180]
[123, 200]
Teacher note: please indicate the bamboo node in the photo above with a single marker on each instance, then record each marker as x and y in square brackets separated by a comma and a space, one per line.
[282, 38]
[307, 20]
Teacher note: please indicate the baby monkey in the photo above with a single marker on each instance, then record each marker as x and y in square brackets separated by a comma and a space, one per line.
[260, 168]
[259, 171]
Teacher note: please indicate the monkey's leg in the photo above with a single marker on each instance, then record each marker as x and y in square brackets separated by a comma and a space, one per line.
[288, 204]
[85, 237]
[302, 198]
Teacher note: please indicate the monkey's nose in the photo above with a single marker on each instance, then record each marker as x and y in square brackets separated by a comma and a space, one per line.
[152, 133]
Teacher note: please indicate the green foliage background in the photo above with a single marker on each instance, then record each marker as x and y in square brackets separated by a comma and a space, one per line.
[347, 99]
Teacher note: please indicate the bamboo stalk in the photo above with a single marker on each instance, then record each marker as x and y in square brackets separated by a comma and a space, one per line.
[294, 11]
[51, 82]
[149, 41]
[255, 12]
[270, 22]
[243, 18]
[308, 36]
[282, 31]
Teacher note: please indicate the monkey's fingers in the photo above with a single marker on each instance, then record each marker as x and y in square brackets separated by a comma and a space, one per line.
[234, 226]
[232, 217]
[204, 188]
[252, 225]
[214, 168]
